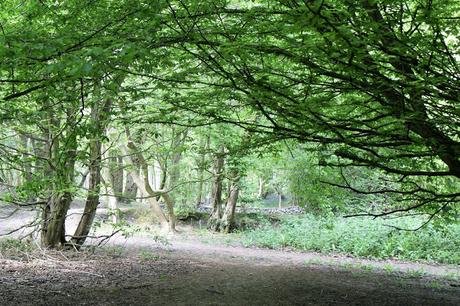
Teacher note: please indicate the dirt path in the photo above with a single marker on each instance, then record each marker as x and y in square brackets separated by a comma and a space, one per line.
[140, 271]
[213, 249]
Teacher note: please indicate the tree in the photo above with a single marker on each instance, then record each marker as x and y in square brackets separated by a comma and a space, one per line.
[375, 82]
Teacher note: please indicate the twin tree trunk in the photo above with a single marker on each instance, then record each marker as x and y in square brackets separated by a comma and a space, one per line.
[220, 220]
[134, 157]
[228, 222]
[216, 213]
[61, 175]
[62, 155]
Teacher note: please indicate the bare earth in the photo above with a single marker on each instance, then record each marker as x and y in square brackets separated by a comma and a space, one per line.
[140, 271]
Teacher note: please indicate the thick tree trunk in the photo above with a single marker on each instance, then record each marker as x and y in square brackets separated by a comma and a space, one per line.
[53, 223]
[92, 199]
[174, 176]
[228, 219]
[58, 154]
[171, 217]
[114, 184]
[55, 211]
[163, 169]
[147, 191]
[216, 214]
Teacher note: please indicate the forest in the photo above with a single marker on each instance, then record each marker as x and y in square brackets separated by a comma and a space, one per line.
[143, 140]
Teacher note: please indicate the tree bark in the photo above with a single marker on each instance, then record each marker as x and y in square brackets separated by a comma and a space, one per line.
[228, 219]
[62, 177]
[143, 183]
[92, 199]
[216, 214]
[116, 174]
[130, 188]
[178, 141]
[27, 166]
[53, 223]
[261, 194]
[99, 120]
[171, 217]
[201, 167]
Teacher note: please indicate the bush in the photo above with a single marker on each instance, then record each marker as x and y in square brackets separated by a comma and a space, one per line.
[14, 247]
[361, 237]
[251, 221]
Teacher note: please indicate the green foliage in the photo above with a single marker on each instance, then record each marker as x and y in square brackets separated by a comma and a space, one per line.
[187, 212]
[251, 221]
[366, 84]
[15, 247]
[361, 237]
[147, 255]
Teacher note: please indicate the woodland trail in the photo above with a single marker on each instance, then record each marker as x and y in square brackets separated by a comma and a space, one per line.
[139, 271]
[201, 270]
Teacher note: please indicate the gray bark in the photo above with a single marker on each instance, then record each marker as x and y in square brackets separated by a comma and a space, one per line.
[228, 219]
[216, 214]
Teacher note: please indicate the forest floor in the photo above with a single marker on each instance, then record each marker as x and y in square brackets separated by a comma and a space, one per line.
[195, 268]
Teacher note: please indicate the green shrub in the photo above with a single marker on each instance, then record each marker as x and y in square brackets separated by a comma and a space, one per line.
[11, 246]
[250, 221]
[362, 237]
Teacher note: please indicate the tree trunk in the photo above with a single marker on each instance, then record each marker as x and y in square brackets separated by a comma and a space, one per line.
[143, 183]
[130, 189]
[27, 166]
[92, 199]
[201, 169]
[199, 196]
[261, 194]
[55, 211]
[216, 214]
[116, 174]
[228, 219]
[53, 220]
[178, 141]
[99, 119]
[171, 217]
[114, 184]
[163, 169]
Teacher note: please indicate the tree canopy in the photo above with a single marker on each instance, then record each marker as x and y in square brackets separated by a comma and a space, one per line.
[364, 84]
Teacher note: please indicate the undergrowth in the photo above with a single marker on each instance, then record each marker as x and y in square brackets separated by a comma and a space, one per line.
[11, 247]
[361, 237]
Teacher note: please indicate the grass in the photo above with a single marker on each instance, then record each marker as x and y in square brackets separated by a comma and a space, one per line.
[147, 255]
[360, 237]
[15, 247]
